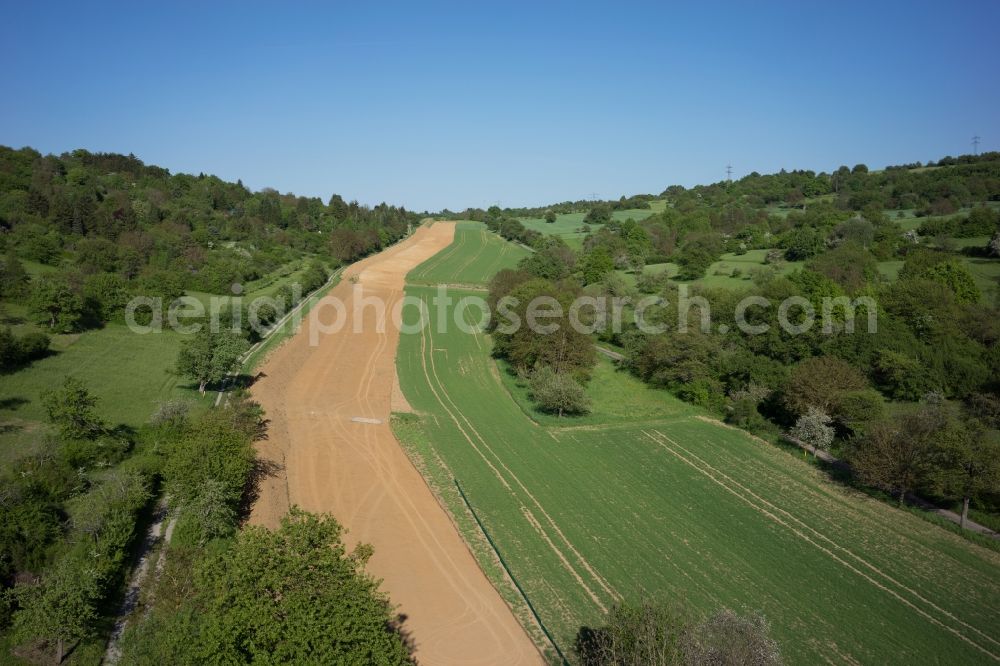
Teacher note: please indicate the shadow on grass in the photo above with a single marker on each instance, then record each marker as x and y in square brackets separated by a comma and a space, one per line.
[13, 404]
[27, 363]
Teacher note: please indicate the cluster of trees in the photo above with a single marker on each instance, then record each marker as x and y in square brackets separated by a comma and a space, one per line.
[953, 184]
[295, 595]
[937, 331]
[109, 227]
[232, 595]
[652, 633]
[67, 524]
[541, 345]
[549, 213]
[981, 221]
[509, 227]
[940, 449]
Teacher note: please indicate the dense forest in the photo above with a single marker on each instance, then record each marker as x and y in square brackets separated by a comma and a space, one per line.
[914, 405]
[80, 235]
[116, 227]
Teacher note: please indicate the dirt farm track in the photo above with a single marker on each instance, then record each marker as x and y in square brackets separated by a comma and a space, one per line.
[326, 459]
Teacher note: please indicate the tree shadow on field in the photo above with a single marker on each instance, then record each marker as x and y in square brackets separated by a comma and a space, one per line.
[262, 470]
[12, 320]
[395, 626]
[13, 404]
[245, 381]
[588, 645]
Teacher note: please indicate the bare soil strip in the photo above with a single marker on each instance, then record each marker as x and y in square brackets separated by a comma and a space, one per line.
[322, 460]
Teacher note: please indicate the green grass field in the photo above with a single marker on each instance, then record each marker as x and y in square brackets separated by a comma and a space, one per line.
[735, 271]
[646, 497]
[473, 257]
[732, 271]
[129, 373]
[569, 225]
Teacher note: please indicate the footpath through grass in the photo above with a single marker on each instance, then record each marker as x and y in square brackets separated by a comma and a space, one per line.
[647, 497]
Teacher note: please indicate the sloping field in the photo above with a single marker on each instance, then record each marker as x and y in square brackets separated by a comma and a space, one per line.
[473, 257]
[326, 392]
[674, 505]
[568, 225]
[129, 373]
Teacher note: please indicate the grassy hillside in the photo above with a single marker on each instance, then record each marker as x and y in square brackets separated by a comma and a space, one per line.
[656, 500]
[129, 374]
[570, 225]
[472, 258]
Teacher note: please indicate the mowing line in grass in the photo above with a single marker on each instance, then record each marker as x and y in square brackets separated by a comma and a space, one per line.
[827, 539]
[433, 371]
[708, 474]
[586, 565]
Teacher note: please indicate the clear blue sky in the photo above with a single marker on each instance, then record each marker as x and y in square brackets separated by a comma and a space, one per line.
[469, 104]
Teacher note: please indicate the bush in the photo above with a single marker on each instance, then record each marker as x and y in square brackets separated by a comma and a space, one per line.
[16, 352]
[558, 392]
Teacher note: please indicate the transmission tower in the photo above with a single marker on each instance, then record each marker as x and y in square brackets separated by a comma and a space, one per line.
[975, 145]
[729, 173]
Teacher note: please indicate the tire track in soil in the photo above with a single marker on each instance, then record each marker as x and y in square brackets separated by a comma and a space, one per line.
[805, 537]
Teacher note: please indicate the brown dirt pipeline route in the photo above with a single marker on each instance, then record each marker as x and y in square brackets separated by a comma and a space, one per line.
[330, 448]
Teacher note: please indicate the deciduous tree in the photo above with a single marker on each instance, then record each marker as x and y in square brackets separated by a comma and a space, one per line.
[900, 454]
[821, 382]
[814, 429]
[970, 464]
[56, 304]
[558, 392]
[71, 409]
[61, 609]
[208, 356]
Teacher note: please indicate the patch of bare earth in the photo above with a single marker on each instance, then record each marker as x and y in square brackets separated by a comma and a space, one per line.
[330, 448]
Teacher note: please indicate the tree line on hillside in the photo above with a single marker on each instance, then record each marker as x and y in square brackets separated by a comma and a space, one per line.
[80, 235]
[938, 331]
[634, 202]
[98, 229]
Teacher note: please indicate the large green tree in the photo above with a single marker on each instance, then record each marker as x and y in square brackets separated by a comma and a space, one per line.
[900, 454]
[71, 409]
[57, 304]
[208, 356]
[535, 329]
[970, 464]
[59, 610]
[821, 382]
[293, 595]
